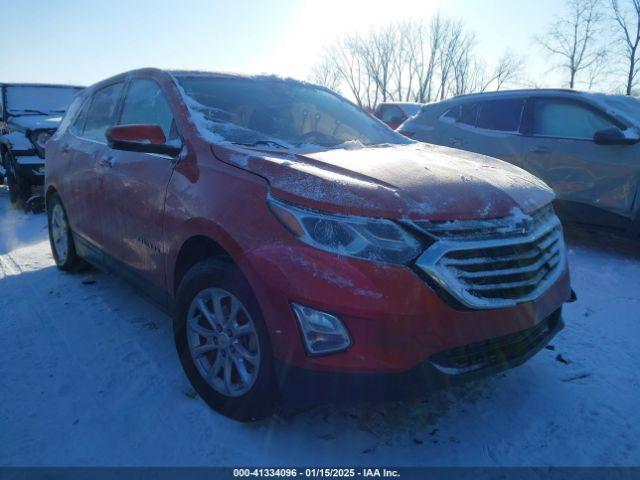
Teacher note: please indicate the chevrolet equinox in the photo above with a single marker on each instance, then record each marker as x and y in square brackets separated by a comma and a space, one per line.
[305, 250]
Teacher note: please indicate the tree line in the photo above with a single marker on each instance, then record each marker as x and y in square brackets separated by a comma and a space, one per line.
[594, 44]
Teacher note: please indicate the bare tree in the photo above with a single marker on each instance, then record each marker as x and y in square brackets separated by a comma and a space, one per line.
[628, 23]
[574, 39]
[411, 61]
[325, 74]
[407, 59]
[508, 69]
[427, 43]
[455, 42]
[378, 52]
[344, 57]
[468, 72]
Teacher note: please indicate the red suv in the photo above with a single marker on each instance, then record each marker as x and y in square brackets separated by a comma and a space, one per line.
[305, 250]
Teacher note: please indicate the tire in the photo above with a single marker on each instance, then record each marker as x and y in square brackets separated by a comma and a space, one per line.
[240, 399]
[61, 237]
[19, 187]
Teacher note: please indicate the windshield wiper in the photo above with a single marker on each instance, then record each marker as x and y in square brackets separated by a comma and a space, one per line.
[269, 143]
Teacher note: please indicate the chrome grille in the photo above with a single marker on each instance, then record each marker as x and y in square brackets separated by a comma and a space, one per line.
[495, 263]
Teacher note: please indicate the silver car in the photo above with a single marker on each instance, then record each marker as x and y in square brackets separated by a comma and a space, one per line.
[584, 145]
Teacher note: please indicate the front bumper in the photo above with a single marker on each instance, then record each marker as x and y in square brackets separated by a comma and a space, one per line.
[300, 387]
[395, 318]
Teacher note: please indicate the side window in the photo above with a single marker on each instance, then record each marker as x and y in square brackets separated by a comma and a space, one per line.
[452, 115]
[465, 113]
[468, 114]
[391, 113]
[554, 118]
[75, 115]
[100, 115]
[146, 103]
[502, 115]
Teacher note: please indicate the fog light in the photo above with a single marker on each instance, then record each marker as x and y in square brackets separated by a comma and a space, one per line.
[322, 332]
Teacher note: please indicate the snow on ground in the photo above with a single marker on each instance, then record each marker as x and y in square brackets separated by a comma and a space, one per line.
[89, 376]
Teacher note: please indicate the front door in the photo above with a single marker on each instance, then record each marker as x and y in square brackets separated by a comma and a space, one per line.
[561, 151]
[135, 188]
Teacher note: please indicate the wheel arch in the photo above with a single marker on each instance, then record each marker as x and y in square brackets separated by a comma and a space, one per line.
[194, 249]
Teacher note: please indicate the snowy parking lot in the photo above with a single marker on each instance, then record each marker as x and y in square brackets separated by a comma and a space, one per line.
[89, 376]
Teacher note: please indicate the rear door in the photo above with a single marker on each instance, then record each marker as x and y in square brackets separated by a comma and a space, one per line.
[136, 185]
[490, 127]
[559, 148]
[84, 198]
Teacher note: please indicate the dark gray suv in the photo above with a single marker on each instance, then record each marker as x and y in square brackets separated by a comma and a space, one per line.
[584, 145]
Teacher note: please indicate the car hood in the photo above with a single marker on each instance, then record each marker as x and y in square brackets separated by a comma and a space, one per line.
[416, 181]
[35, 122]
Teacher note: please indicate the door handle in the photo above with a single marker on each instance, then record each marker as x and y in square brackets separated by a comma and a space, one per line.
[540, 150]
[106, 161]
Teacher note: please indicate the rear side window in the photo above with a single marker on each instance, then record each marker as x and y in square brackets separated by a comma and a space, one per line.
[77, 127]
[391, 113]
[502, 115]
[146, 103]
[468, 114]
[465, 113]
[554, 118]
[71, 116]
[452, 115]
[101, 113]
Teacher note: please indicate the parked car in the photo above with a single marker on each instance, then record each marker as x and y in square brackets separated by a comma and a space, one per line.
[304, 250]
[29, 114]
[584, 145]
[394, 113]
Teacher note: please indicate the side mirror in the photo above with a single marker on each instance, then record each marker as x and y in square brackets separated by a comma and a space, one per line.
[614, 136]
[140, 138]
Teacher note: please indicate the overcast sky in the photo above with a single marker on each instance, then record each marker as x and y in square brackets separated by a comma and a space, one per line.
[81, 42]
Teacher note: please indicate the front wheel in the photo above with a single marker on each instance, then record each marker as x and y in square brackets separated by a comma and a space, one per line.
[60, 236]
[223, 342]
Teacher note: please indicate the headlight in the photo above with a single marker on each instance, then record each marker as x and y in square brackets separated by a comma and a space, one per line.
[40, 138]
[360, 237]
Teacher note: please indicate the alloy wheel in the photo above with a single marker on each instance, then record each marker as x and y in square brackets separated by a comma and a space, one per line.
[223, 342]
[59, 233]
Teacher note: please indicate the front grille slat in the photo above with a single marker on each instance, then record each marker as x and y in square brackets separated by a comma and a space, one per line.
[486, 270]
[534, 267]
[508, 285]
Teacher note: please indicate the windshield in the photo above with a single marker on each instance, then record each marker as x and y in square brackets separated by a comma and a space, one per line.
[281, 113]
[39, 100]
